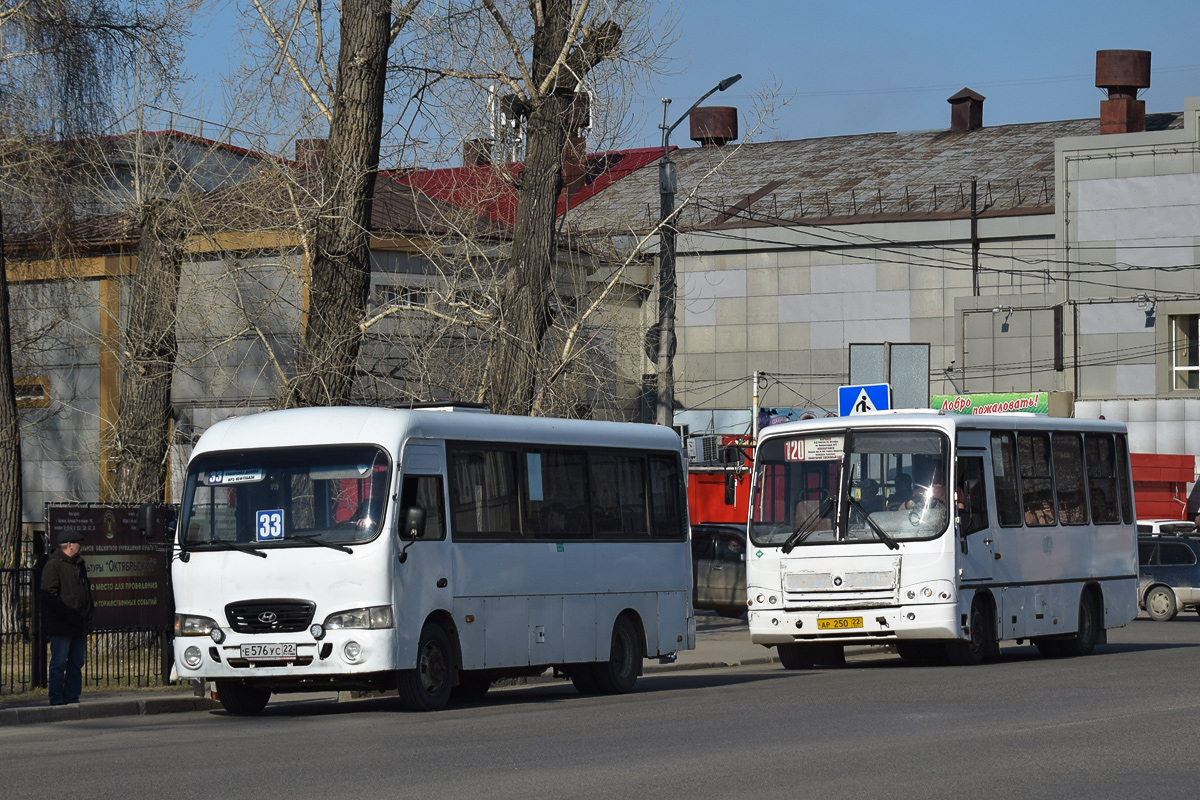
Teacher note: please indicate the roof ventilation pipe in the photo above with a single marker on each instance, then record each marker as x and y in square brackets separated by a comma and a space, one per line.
[1121, 73]
[713, 126]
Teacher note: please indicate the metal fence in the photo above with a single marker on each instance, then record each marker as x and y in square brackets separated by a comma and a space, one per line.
[116, 659]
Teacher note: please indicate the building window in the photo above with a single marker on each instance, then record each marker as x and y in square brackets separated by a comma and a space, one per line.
[32, 392]
[409, 296]
[1185, 351]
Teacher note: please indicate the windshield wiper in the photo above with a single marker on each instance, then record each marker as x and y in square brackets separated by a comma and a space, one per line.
[878, 531]
[807, 526]
[312, 538]
[241, 548]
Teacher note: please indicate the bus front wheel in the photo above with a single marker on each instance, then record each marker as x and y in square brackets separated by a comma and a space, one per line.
[241, 700]
[974, 650]
[428, 687]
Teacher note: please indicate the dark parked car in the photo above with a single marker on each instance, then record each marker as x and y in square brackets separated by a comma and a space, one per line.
[1168, 575]
[719, 568]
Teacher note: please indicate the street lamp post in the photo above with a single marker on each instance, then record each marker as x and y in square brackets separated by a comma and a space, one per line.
[665, 363]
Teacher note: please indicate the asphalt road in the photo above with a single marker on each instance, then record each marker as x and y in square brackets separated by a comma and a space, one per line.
[1114, 724]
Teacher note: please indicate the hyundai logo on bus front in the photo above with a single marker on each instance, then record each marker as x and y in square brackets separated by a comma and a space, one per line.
[267, 618]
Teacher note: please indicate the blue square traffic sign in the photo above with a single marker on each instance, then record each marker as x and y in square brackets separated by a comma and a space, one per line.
[861, 399]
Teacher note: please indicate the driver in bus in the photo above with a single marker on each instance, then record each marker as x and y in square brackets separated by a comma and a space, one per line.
[933, 494]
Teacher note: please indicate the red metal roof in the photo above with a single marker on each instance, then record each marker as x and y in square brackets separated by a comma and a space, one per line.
[490, 190]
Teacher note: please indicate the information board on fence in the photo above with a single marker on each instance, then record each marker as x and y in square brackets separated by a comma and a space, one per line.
[127, 573]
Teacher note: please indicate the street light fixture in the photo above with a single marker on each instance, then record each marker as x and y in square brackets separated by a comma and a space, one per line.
[665, 362]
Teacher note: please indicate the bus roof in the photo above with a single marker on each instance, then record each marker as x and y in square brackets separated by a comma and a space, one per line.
[389, 427]
[933, 418]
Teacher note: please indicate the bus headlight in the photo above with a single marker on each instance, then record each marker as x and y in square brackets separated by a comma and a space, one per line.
[352, 651]
[191, 657]
[216, 634]
[373, 618]
[194, 625]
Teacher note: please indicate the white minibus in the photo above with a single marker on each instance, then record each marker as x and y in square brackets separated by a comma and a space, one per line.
[428, 551]
[941, 535]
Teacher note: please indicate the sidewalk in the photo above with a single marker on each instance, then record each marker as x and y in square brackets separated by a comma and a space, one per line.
[720, 642]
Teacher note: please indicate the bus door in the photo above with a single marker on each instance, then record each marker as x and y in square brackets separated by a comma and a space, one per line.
[423, 568]
[976, 549]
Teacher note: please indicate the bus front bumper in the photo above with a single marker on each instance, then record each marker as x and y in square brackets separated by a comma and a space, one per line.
[771, 627]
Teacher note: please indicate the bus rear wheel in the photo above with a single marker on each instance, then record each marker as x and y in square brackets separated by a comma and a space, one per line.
[428, 687]
[242, 700]
[620, 672]
[1084, 640]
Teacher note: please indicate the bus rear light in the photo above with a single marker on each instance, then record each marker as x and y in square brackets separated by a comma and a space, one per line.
[761, 599]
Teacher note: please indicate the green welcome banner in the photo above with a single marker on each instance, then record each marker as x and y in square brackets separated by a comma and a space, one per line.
[1000, 403]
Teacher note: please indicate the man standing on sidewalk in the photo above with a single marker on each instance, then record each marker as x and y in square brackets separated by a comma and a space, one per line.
[67, 599]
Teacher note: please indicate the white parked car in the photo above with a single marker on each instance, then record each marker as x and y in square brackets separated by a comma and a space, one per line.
[1175, 527]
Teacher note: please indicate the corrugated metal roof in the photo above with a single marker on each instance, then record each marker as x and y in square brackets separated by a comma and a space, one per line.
[868, 177]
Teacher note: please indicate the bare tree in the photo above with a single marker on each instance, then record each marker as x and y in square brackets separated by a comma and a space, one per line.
[350, 100]
[59, 64]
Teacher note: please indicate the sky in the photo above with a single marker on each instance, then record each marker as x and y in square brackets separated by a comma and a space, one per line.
[841, 67]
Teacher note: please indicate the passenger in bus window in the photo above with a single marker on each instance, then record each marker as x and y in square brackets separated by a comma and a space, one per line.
[556, 520]
[871, 499]
[902, 493]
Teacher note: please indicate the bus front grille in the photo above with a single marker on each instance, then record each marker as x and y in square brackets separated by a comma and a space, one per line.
[270, 616]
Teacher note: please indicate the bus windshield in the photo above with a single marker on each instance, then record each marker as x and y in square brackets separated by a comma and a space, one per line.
[296, 496]
[853, 485]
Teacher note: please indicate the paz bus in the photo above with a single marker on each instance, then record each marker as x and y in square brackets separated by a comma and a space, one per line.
[427, 551]
[940, 534]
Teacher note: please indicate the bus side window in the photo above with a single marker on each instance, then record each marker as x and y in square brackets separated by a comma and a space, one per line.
[425, 492]
[972, 502]
[1004, 471]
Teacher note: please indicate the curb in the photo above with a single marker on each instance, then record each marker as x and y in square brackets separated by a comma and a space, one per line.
[132, 707]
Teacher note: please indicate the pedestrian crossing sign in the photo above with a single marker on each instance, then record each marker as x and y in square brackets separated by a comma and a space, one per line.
[861, 399]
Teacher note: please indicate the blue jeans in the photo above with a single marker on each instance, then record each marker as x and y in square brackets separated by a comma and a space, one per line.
[67, 654]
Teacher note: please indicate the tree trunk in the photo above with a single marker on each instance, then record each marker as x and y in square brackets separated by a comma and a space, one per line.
[528, 283]
[10, 432]
[143, 424]
[341, 266]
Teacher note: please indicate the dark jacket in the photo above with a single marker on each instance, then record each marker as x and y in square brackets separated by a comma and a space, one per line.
[66, 596]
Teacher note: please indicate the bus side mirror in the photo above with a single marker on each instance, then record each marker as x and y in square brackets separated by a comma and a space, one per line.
[156, 519]
[730, 489]
[414, 523]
